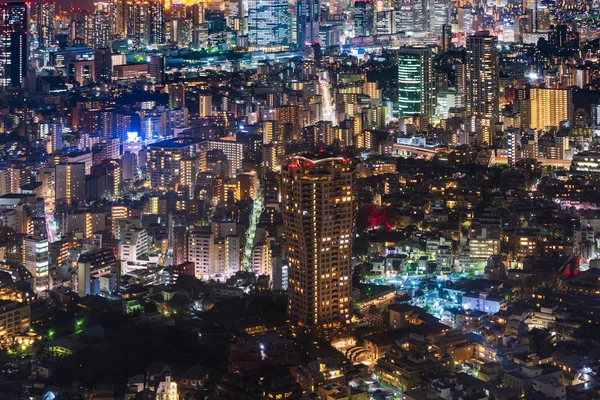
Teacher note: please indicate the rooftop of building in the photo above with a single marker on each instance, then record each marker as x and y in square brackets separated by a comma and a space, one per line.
[548, 381]
[535, 372]
[9, 305]
[197, 372]
[175, 143]
[401, 308]
[584, 387]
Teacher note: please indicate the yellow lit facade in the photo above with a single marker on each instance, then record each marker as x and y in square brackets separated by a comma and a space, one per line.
[526, 246]
[318, 217]
[550, 107]
[14, 320]
[270, 131]
[483, 90]
[118, 212]
[483, 248]
[172, 163]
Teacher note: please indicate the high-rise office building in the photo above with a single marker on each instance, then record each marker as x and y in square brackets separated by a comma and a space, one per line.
[47, 16]
[235, 15]
[446, 38]
[403, 18]
[157, 23]
[364, 18]
[13, 43]
[118, 18]
[416, 82]
[145, 23]
[318, 217]
[530, 8]
[464, 22]
[413, 16]
[440, 16]
[563, 39]
[268, 23]
[482, 75]
[421, 15]
[77, 27]
[199, 27]
[98, 30]
[545, 17]
[385, 22]
[307, 15]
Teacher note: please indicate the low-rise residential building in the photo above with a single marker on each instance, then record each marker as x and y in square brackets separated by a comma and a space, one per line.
[404, 365]
[319, 373]
[14, 319]
[484, 302]
[552, 388]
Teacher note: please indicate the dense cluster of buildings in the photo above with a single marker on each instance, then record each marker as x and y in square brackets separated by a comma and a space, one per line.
[308, 200]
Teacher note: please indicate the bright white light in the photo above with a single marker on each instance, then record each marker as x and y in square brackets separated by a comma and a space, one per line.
[132, 137]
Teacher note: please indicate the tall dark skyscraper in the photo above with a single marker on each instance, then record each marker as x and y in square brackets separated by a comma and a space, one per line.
[364, 18]
[318, 219]
[562, 39]
[102, 64]
[307, 12]
[483, 95]
[446, 37]
[157, 22]
[145, 23]
[13, 43]
[47, 15]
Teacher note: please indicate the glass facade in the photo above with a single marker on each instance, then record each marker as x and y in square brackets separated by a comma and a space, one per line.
[268, 23]
[415, 82]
